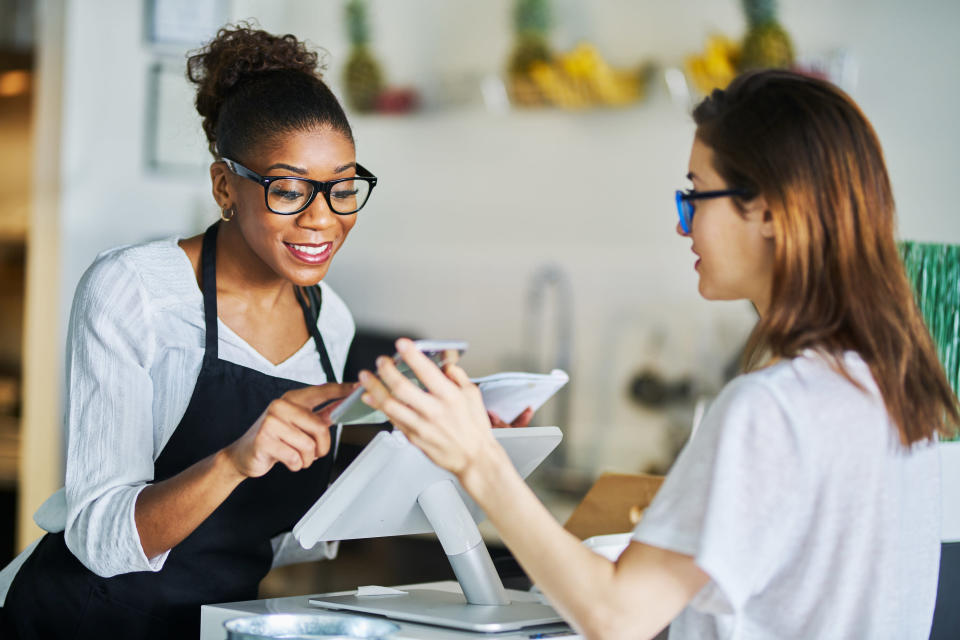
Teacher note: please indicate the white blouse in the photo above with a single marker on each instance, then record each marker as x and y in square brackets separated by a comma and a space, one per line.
[135, 346]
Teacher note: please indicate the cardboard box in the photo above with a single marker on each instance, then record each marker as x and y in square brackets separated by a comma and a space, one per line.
[614, 504]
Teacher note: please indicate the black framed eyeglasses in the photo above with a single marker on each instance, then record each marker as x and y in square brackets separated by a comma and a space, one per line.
[287, 195]
[685, 208]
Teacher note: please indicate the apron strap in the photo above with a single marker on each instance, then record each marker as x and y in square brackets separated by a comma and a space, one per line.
[208, 274]
[208, 269]
[310, 304]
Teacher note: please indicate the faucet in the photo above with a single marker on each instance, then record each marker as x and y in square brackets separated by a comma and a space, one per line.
[547, 278]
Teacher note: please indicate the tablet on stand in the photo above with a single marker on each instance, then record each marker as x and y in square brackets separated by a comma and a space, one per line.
[391, 489]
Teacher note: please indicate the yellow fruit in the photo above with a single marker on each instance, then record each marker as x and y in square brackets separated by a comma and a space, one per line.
[580, 78]
[716, 67]
[556, 87]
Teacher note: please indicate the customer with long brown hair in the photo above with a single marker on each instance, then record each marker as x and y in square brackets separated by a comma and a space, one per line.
[807, 504]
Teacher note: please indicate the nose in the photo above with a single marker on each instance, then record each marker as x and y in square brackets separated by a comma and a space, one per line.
[318, 215]
[681, 232]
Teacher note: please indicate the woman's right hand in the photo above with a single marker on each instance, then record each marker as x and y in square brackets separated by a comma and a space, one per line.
[288, 431]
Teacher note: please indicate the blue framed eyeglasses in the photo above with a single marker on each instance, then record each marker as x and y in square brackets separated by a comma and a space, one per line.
[685, 208]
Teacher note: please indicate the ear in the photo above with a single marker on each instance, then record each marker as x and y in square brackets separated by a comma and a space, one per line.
[766, 220]
[220, 182]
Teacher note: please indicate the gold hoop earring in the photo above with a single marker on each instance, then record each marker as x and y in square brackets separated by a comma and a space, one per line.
[227, 214]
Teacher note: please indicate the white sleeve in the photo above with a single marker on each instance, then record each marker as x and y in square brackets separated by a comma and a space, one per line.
[732, 500]
[109, 418]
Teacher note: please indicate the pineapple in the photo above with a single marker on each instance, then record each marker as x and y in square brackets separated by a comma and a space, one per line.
[362, 75]
[716, 66]
[531, 21]
[767, 44]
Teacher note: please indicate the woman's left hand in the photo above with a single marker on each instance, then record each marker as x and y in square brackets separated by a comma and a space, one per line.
[522, 420]
[448, 421]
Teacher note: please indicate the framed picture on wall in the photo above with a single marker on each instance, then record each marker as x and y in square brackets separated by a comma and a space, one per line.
[174, 140]
[181, 23]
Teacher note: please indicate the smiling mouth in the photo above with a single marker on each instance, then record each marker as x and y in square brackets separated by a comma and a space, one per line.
[310, 253]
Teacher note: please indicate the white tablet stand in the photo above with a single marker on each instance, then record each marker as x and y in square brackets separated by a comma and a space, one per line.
[392, 488]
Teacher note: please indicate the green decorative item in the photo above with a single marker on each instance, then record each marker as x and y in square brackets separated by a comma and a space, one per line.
[934, 271]
[363, 78]
[531, 23]
[767, 44]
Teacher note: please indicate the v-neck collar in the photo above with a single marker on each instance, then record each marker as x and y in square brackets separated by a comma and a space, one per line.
[236, 338]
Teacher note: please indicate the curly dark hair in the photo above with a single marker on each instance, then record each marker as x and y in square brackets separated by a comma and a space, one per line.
[253, 86]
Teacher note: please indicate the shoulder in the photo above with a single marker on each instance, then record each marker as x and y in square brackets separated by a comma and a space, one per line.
[155, 271]
[800, 402]
[760, 409]
[804, 380]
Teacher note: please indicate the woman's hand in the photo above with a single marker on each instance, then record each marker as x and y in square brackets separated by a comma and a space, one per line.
[448, 421]
[288, 431]
[522, 420]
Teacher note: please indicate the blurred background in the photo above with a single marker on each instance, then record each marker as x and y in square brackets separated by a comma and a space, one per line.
[527, 153]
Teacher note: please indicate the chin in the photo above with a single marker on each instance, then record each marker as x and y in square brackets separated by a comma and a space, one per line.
[305, 275]
[704, 291]
[710, 293]
[307, 280]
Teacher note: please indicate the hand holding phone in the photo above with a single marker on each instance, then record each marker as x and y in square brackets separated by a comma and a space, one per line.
[353, 411]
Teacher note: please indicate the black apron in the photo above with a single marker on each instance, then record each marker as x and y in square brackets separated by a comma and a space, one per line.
[55, 596]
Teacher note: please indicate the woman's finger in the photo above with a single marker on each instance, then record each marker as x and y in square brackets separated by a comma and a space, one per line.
[426, 371]
[402, 416]
[495, 421]
[310, 424]
[294, 438]
[378, 397]
[458, 375]
[403, 389]
[523, 420]
[276, 450]
[469, 389]
[316, 395]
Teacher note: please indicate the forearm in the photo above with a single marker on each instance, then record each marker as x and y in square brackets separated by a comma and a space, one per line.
[634, 597]
[589, 591]
[552, 557]
[168, 511]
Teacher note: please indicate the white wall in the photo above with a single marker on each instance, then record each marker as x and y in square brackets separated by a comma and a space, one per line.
[471, 203]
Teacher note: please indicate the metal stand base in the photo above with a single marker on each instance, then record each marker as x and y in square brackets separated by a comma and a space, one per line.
[446, 609]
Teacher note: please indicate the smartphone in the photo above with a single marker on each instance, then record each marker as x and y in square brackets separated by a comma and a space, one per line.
[354, 411]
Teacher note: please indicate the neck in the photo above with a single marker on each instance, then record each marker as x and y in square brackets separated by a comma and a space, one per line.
[241, 272]
[761, 306]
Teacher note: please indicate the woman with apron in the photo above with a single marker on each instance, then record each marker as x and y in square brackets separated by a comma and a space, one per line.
[194, 444]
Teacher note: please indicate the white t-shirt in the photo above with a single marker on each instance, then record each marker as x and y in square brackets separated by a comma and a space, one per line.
[135, 346]
[810, 518]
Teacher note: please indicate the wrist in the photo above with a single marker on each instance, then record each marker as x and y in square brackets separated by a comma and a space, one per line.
[225, 468]
[487, 472]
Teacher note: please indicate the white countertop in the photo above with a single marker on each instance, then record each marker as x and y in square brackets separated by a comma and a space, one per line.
[213, 616]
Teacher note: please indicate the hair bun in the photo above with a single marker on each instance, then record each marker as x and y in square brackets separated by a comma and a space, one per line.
[239, 51]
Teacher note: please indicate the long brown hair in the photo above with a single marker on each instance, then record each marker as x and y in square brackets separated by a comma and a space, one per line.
[838, 281]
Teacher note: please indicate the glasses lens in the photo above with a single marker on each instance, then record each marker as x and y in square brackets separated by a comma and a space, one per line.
[348, 196]
[288, 196]
[684, 211]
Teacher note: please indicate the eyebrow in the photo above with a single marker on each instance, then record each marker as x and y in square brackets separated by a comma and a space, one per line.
[303, 172]
[691, 176]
